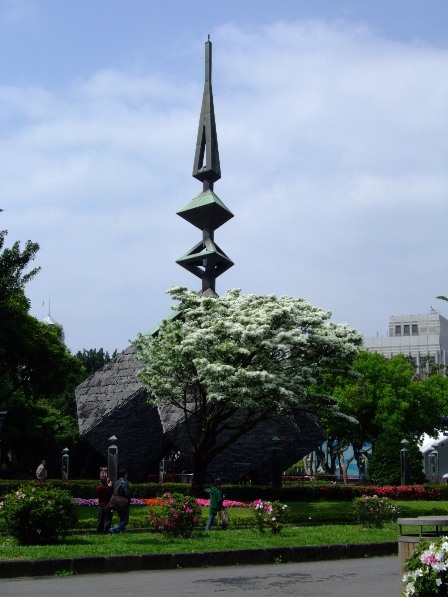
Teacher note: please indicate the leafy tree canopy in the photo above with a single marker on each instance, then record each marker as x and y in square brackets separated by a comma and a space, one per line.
[32, 357]
[258, 355]
[36, 368]
[13, 262]
[93, 359]
[388, 400]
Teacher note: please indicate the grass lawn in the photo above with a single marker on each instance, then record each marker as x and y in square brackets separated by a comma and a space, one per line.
[142, 543]
[315, 528]
[323, 512]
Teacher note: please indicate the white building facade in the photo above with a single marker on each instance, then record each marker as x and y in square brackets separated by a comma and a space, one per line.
[424, 338]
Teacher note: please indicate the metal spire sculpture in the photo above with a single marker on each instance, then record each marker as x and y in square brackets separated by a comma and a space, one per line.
[206, 211]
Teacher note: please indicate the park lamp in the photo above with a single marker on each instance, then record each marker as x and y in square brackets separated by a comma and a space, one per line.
[65, 464]
[3, 415]
[434, 460]
[404, 463]
[275, 442]
[112, 459]
[276, 462]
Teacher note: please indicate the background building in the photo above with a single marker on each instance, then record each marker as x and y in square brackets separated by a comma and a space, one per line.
[424, 338]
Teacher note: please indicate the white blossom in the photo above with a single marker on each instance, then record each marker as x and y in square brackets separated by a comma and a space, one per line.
[243, 351]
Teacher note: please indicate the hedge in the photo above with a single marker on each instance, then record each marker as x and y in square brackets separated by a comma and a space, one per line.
[305, 492]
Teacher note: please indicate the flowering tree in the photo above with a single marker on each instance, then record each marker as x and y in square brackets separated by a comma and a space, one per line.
[374, 511]
[176, 516]
[257, 356]
[271, 515]
[38, 515]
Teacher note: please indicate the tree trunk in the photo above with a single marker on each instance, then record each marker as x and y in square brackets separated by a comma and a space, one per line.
[199, 475]
[343, 467]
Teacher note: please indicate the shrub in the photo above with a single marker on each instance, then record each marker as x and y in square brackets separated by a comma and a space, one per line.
[384, 463]
[271, 515]
[426, 571]
[374, 511]
[178, 515]
[38, 515]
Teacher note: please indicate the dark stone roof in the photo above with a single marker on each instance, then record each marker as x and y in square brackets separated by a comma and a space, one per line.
[108, 389]
[111, 388]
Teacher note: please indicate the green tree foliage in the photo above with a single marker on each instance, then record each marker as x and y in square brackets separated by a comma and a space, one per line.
[94, 359]
[36, 368]
[388, 400]
[255, 355]
[384, 463]
[13, 262]
[33, 358]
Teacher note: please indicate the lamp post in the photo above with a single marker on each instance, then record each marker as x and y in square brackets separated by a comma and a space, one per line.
[362, 469]
[434, 463]
[65, 464]
[404, 463]
[3, 415]
[162, 470]
[112, 459]
[276, 462]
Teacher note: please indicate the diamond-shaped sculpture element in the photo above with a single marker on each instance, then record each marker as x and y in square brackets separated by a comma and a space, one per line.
[206, 260]
[206, 164]
[206, 211]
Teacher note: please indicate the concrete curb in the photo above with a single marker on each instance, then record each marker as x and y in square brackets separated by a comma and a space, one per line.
[102, 564]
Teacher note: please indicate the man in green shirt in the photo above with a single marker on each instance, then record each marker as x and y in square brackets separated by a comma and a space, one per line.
[216, 499]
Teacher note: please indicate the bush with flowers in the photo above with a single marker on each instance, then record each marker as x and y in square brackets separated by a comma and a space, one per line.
[38, 514]
[176, 516]
[426, 571]
[271, 515]
[374, 511]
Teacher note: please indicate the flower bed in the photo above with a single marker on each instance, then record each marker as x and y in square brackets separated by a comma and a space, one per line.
[159, 502]
[94, 502]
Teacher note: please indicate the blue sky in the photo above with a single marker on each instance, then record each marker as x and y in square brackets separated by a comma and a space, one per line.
[332, 125]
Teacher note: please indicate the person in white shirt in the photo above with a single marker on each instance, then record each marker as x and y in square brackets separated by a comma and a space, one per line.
[41, 472]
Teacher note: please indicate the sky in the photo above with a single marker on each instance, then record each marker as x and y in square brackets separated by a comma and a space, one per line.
[332, 120]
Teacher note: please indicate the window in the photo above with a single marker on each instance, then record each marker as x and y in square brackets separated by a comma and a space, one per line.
[415, 329]
[406, 330]
[398, 330]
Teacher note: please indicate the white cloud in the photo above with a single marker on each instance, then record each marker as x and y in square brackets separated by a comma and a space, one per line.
[333, 147]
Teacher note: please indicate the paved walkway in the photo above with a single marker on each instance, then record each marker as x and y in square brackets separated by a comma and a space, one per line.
[364, 577]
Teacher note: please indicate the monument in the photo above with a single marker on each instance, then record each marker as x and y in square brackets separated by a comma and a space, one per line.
[151, 440]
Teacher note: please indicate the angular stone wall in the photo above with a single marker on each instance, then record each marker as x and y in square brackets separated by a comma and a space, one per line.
[113, 402]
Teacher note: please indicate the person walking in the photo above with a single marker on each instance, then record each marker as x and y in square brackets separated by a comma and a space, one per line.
[104, 492]
[122, 488]
[216, 499]
[41, 472]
